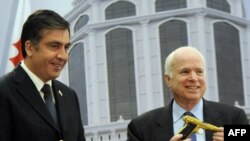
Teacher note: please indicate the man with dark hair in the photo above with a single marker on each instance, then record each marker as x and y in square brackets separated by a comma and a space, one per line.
[33, 105]
[185, 76]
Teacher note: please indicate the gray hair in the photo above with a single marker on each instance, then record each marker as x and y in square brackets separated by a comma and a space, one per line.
[169, 59]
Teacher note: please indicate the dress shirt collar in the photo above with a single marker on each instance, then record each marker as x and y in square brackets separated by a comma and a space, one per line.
[36, 80]
[178, 111]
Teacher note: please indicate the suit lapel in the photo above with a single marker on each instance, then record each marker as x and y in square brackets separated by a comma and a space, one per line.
[164, 130]
[59, 96]
[28, 91]
[210, 116]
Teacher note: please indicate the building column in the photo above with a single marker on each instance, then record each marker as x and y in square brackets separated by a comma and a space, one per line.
[205, 46]
[246, 66]
[147, 62]
[94, 11]
[92, 87]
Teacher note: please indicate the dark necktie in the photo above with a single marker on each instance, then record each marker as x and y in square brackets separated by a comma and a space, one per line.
[192, 136]
[49, 101]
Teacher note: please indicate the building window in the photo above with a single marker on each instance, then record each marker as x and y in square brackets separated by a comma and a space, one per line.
[121, 75]
[120, 9]
[81, 22]
[221, 5]
[173, 34]
[77, 79]
[164, 5]
[228, 61]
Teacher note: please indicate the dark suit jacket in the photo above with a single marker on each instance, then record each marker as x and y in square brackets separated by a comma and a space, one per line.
[157, 125]
[25, 117]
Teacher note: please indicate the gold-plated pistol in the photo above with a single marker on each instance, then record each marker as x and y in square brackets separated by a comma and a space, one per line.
[192, 125]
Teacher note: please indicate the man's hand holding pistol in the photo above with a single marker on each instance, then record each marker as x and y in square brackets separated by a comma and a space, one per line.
[193, 125]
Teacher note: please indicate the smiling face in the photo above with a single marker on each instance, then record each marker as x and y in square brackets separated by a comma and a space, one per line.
[187, 78]
[47, 58]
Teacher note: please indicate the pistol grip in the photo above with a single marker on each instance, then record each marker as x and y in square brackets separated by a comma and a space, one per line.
[187, 130]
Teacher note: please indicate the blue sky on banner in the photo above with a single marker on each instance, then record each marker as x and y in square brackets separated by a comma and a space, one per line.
[63, 7]
[66, 6]
[247, 8]
[60, 6]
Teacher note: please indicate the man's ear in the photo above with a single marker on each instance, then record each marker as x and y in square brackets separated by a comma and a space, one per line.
[29, 48]
[167, 79]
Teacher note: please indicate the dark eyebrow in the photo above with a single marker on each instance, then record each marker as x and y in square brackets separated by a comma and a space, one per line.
[60, 43]
[68, 44]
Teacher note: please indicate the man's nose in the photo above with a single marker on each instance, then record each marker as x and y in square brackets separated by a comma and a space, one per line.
[63, 54]
[193, 76]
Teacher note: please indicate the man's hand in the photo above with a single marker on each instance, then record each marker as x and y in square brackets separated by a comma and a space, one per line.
[219, 136]
[178, 138]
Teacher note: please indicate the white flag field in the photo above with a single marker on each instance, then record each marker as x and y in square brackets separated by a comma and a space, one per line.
[14, 54]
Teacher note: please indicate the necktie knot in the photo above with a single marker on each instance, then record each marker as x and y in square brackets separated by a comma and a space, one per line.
[189, 114]
[46, 90]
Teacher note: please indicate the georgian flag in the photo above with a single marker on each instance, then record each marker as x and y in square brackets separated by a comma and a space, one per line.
[15, 53]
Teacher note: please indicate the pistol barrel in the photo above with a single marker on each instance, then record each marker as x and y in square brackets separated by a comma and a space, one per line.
[199, 123]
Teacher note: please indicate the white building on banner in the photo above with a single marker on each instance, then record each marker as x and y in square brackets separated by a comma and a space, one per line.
[119, 48]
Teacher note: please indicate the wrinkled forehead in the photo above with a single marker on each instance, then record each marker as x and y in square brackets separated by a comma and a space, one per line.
[188, 54]
[187, 59]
